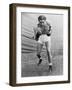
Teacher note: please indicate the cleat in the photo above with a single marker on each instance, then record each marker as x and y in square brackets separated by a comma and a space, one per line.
[40, 60]
[50, 68]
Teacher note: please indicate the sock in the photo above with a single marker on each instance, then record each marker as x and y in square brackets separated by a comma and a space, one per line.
[50, 64]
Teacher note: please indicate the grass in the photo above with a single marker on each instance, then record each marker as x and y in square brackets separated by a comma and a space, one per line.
[29, 64]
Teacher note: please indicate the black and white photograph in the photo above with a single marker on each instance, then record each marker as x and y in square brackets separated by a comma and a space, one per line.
[42, 44]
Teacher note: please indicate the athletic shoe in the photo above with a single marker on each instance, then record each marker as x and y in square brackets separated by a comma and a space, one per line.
[50, 68]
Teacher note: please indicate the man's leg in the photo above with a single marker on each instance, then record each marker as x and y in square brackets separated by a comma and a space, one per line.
[39, 49]
[48, 48]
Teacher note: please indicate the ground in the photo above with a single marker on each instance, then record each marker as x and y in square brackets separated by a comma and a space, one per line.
[30, 68]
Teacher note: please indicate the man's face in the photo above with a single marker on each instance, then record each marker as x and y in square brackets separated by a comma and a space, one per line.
[42, 21]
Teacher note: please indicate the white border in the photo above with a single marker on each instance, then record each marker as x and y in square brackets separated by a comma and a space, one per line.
[63, 77]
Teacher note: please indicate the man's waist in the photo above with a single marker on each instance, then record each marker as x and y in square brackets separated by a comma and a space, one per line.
[46, 34]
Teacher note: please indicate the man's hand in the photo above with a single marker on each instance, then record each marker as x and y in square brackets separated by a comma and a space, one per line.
[47, 29]
[39, 30]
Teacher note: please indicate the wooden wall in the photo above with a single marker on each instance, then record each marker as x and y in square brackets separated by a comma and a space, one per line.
[29, 20]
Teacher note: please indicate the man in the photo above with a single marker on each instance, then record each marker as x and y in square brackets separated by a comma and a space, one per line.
[42, 34]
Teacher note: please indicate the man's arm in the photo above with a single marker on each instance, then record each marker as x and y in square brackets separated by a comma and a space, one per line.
[37, 33]
[50, 29]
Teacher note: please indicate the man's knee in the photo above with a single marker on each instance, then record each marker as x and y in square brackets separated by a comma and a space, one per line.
[38, 51]
[48, 49]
